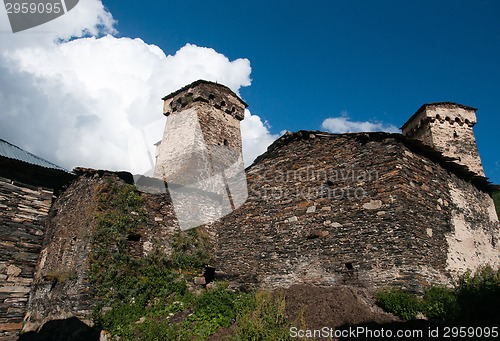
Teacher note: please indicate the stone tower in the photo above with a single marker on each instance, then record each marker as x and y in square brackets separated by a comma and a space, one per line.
[447, 127]
[200, 155]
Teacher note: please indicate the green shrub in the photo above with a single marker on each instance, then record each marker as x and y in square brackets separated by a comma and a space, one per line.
[265, 320]
[479, 295]
[190, 249]
[496, 198]
[399, 303]
[440, 303]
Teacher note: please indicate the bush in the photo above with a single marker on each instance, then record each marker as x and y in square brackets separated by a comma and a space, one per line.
[475, 300]
[496, 198]
[479, 295]
[265, 320]
[440, 303]
[399, 303]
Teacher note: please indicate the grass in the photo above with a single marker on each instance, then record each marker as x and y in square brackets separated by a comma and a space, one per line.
[475, 300]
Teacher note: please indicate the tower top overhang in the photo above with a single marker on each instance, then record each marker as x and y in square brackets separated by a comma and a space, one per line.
[215, 94]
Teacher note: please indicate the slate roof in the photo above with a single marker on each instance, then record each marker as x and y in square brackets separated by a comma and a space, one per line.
[416, 146]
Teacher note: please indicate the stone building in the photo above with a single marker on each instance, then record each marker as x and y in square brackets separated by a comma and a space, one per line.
[373, 209]
[370, 209]
[200, 156]
[27, 187]
[203, 117]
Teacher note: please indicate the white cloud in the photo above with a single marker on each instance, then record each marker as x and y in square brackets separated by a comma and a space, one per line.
[343, 124]
[255, 137]
[78, 102]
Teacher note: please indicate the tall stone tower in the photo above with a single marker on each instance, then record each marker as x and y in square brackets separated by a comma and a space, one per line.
[200, 155]
[447, 127]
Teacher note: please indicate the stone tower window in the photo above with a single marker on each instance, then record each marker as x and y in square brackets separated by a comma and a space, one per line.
[226, 143]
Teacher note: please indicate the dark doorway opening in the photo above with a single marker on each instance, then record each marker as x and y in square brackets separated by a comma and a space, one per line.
[209, 274]
[134, 237]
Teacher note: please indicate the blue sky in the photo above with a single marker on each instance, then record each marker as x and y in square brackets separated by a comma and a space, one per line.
[375, 60]
[75, 90]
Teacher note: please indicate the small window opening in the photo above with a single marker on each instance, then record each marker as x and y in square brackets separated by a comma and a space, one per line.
[211, 96]
[134, 237]
[223, 103]
[349, 266]
[329, 183]
[226, 142]
[455, 134]
[209, 274]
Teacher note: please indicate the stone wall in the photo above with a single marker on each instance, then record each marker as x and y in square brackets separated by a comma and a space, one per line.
[476, 235]
[23, 211]
[365, 208]
[61, 287]
[371, 209]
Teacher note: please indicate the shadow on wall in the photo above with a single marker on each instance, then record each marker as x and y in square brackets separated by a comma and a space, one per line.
[59, 330]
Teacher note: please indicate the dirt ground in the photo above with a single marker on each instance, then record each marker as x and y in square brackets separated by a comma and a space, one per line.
[312, 307]
[334, 306]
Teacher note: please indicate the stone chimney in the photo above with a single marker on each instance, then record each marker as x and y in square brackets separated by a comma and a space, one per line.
[447, 127]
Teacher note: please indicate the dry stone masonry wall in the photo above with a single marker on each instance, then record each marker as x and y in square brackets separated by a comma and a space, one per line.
[361, 208]
[23, 211]
[62, 287]
[369, 209]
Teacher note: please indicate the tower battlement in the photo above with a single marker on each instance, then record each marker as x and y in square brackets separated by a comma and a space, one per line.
[214, 94]
[447, 127]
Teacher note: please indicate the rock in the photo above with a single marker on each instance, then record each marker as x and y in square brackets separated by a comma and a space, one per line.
[105, 310]
[104, 336]
[141, 320]
[13, 270]
[372, 205]
[199, 281]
